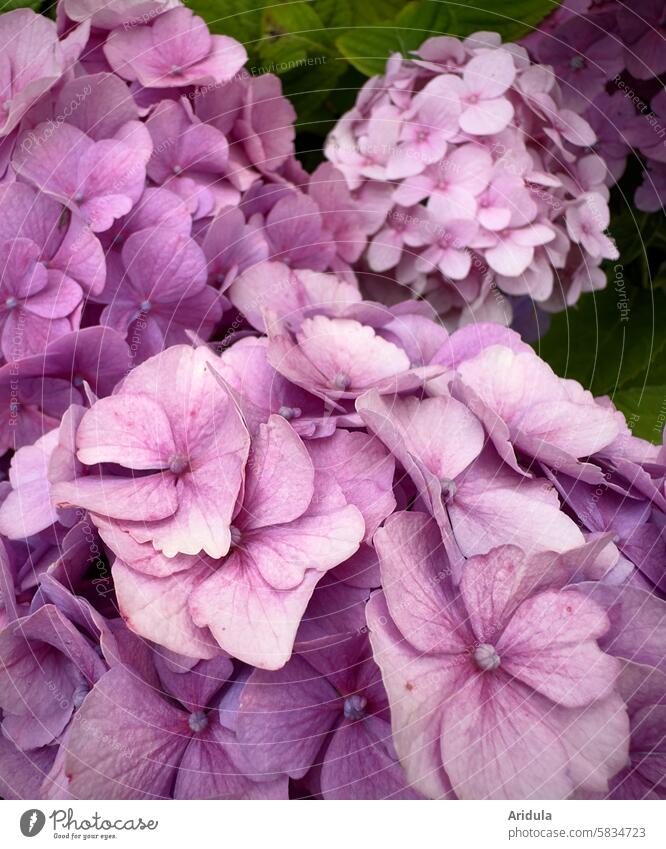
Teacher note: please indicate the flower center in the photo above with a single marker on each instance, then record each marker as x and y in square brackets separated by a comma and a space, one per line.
[235, 535]
[289, 413]
[177, 169]
[178, 463]
[577, 62]
[198, 721]
[354, 707]
[145, 306]
[176, 69]
[79, 694]
[78, 197]
[486, 658]
[342, 381]
[11, 303]
[449, 489]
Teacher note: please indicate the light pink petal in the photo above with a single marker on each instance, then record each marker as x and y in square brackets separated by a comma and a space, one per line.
[415, 577]
[492, 507]
[385, 250]
[131, 430]
[345, 348]
[27, 509]
[440, 432]
[509, 258]
[550, 644]
[487, 117]
[280, 478]
[237, 595]
[490, 73]
[283, 553]
[362, 468]
[495, 744]
[157, 608]
[414, 683]
[142, 499]
[455, 202]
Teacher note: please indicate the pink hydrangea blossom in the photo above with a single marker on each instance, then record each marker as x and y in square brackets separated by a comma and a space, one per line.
[461, 665]
[183, 424]
[175, 49]
[498, 188]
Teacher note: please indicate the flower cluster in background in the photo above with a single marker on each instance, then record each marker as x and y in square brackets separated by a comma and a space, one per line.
[609, 59]
[483, 177]
[270, 528]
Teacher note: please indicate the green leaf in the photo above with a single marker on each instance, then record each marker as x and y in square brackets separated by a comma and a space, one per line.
[376, 11]
[10, 5]
[368, 48]
[336, 14]
[511, 20]
[633, 231]
[293, 19]
[241, 19]
[645, 410]
[610, 340]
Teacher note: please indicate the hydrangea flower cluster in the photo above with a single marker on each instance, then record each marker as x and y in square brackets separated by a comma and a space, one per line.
[142, 169]
[482, 177]
[348, 556]
[609, 58]
[262, 537]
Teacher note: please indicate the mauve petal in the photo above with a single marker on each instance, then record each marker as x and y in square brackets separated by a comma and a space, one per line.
[27, 509]
[493, 585]
[193, 685]
[360, 763]
[144, 740]
[59, 298]
[22, 773]
[638, 622]
[284, 553]
[98, 104]
[285, 716]
[164, 265]
[494, 506]
[208, 770]
[34, 62]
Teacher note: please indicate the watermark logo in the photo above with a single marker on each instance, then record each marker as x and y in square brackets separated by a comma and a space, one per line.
[32, 822]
